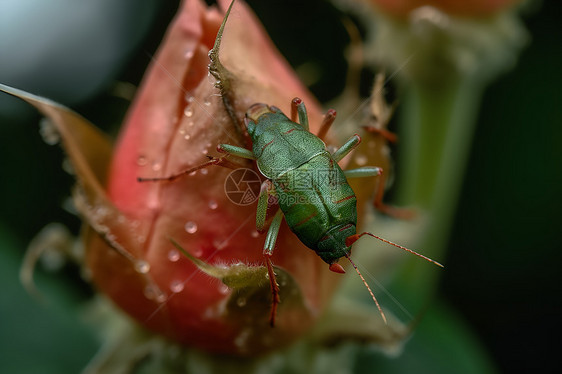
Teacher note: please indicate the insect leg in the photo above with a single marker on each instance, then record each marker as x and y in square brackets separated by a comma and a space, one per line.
[236, 151]
[346, 148]
[367, 171]
[220, 161]
[267, 253]
[297, 107]
[329, 118]
[373, 171]
[389, 136]
[267, 190]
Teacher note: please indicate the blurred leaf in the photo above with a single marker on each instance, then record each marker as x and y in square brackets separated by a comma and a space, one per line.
[442, 343]
[38, 338]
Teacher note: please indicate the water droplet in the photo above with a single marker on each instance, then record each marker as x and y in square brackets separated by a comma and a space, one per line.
[361, 159]
[156, 166]
[204, 171]
[150, 291]
[100, 212]
[142, 161]
[142, 266]
[190, 227]
[255, 234]
[207, 102]
[189, 54]
[198, 252]
[68, 167]
[182, 131]
[190, 123]
[213, 204]
[160, 297]
[173, 255]
[48, 131]
[205, 151]
[241, 301]
[189, 98]
[188, 112]
[242, 339]
[223, 289]
[219, 244]
[176, 286]
[187, 137]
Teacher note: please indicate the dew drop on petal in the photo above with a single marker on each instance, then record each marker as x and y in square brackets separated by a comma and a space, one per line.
[160, 296]
[188, 112]
[48, 131]
[255, 234]
[213, 204]
[205, 151]
[189, 97]
[156, 166]
[204, 171]
[187, 136]
[68, 167]
[150, 291]
[198, 252]
[223, 289]
[142, 161]
[242, 339]
[207, 102]
[189, 54]
[190, 227]
[219, 244]
[142, 266]
[173, 255]
[176, 286]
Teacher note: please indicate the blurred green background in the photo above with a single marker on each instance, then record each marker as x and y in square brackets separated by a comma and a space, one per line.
[502, 270]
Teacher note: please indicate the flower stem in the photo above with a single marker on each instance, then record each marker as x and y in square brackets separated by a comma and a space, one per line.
[435, 137]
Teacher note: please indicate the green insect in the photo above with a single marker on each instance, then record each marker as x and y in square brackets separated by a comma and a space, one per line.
[305, 181]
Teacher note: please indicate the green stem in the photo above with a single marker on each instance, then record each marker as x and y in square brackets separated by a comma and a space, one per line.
[435, 138]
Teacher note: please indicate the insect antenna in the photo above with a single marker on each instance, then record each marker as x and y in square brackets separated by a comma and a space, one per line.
[368, 288]
[353, 238]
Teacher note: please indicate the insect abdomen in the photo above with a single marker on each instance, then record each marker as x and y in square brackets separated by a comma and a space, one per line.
[316, 197]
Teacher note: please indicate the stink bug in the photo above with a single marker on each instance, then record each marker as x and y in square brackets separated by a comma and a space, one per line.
[309, 186]
[303, 178]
